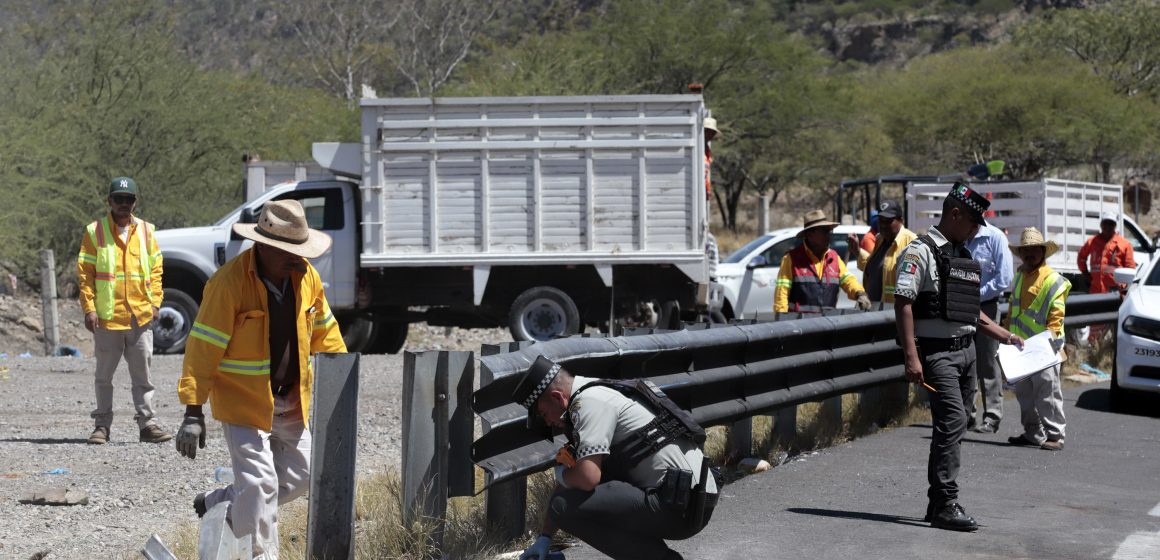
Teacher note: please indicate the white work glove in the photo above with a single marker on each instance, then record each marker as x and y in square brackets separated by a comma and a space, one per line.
[863, 302]
[539, 549]
[560, 475]
[191, 436]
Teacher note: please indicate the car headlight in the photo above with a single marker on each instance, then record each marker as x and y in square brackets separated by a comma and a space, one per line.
[1139, 326]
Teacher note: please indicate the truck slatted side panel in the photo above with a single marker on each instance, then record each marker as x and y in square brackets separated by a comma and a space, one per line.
[602, 176]
[1067, 212]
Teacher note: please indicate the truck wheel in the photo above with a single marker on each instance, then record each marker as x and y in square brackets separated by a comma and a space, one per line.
[543, 313]
[173, 322]
[389, 338]
[358, 332]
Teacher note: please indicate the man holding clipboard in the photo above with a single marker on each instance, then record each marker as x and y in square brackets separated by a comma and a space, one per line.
[1037, 306]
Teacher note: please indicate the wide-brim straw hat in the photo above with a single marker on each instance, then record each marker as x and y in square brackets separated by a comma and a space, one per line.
[1031, 237]
[711, 124]
[815, 219]
[282, 224]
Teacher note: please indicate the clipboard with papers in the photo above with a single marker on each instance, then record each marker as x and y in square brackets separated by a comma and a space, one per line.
[1037, 354]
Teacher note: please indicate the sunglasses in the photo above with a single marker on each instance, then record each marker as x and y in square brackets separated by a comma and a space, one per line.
[123, 199]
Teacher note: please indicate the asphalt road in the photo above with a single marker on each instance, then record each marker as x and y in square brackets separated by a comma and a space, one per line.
[1096, 499]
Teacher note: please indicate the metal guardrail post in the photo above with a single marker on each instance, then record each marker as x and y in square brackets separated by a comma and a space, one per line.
[330, 526]
[436, 404]
[785, 425]
[505, 502]
[870, 404]
[741, 439]
[831, 412]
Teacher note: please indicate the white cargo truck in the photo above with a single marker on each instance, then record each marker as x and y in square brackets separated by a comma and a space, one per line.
[1067, 212]
[542, 214]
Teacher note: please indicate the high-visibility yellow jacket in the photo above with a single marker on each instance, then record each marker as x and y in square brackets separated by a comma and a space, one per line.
[889, 261]
[1038, 302]
[846, 281]
[227, 358]
[120, 279]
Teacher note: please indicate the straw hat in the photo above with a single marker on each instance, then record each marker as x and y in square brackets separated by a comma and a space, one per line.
[282, 224]
[814, 219]
[1032, 238]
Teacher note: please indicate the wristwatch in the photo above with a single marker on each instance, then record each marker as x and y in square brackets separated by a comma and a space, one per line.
[1009, 337]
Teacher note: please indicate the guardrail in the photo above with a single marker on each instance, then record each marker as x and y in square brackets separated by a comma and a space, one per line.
[721, 375]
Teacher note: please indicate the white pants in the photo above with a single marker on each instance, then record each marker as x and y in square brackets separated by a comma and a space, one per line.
[136, 345]
[1041, 406]
[270, 469]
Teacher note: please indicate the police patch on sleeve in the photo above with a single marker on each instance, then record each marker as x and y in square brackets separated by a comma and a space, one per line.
[909, 267]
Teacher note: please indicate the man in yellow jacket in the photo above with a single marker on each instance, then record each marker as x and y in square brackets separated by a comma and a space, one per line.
[1038, 303]
[119, 272]
[880, 266]
[263, 315]
[812, 273]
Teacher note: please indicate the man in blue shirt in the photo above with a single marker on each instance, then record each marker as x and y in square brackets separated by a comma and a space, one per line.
[989, 247]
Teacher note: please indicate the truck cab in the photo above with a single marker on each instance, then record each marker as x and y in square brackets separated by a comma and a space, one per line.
[192, 255]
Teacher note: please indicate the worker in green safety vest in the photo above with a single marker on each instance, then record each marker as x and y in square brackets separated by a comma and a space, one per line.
[1038, 305]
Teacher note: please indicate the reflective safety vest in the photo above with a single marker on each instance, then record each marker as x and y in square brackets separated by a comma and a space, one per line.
[809, 293]
[103, 238]
[1027, 320]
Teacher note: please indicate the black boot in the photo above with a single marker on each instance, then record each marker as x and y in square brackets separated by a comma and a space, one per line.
[929, 512]
[952, 517]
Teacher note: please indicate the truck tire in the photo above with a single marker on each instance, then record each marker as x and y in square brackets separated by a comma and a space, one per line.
[543, 313]
[390, 336]
[173, 322]
[358, 332]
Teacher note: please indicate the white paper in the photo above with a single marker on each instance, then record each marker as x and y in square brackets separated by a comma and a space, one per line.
[1037, 354]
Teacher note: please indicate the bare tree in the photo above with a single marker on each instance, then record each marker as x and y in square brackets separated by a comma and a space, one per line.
[341, 40]
[434, 36]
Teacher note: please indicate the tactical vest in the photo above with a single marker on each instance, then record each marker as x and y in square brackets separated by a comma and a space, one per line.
[671, 423]
[809, 293]
[101, 234]
[1030, 320]
[957, 298]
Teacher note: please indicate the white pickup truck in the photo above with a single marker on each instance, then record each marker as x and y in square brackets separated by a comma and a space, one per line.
[542, 214]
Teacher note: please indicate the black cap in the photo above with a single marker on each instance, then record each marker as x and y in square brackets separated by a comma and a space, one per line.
[889, 209]
[533, 384]
[976, 203]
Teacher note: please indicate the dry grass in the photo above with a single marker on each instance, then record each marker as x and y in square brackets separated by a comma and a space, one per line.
[381, 533]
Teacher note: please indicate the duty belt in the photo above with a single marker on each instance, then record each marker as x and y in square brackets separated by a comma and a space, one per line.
[935, 345]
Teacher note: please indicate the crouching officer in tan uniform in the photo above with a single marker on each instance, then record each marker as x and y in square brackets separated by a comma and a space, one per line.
[632, 474]
[936, 304]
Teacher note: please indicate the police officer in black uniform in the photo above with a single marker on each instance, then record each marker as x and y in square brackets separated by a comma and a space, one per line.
[937, 309]
[633, 473]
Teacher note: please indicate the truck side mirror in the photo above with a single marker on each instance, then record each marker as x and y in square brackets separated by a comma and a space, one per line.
[1124, 275]
[248, 217]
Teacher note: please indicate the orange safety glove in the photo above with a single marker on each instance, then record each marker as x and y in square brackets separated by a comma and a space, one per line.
[565, 457]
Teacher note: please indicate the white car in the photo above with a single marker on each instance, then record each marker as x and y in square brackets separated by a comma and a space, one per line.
[1137, 366]
[747, 276]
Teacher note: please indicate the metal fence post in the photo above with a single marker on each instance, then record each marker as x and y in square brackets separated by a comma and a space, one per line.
[436, 401]
[330, 525]
[506, 502]
[48, 301]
